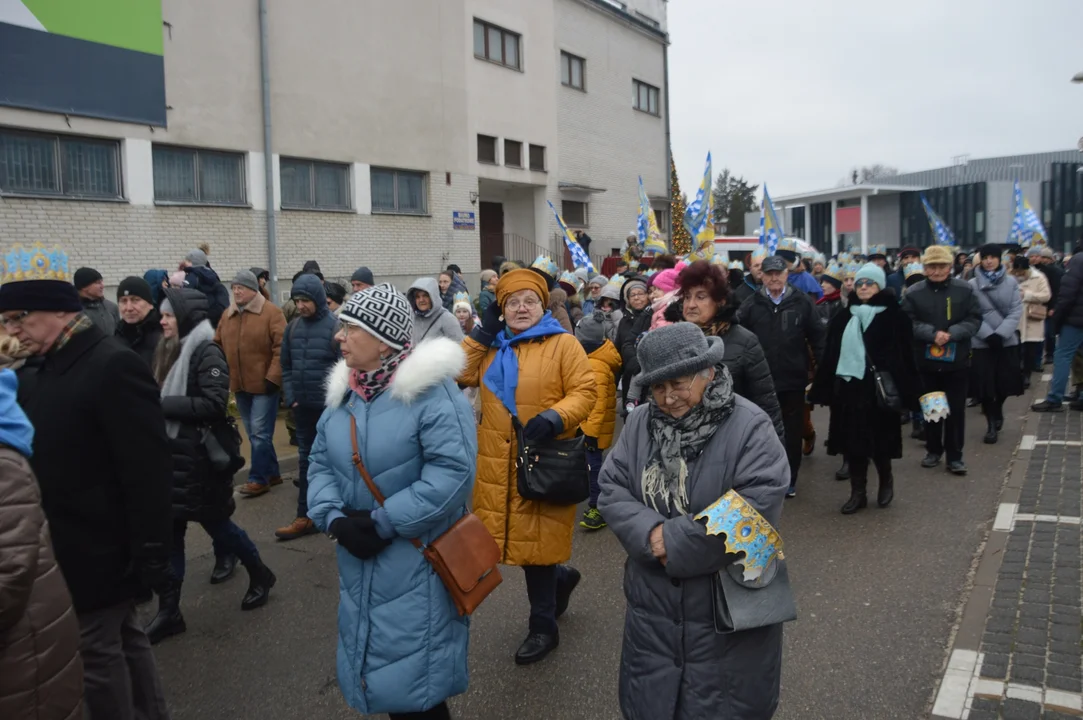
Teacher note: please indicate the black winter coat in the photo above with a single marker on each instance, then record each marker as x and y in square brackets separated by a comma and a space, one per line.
[1054, 275]
[951, 306]
[102, 460]
[1069, 307]
[142, 337]
[858, 427]
[744, 291]
[787, 332]
[629, 330]
[309, 350]
[828, 307]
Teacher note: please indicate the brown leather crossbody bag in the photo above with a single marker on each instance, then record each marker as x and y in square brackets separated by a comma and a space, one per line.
[465, 556]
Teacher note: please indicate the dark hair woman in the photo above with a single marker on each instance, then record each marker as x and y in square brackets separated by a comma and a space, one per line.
[706, 302]
[870, 332]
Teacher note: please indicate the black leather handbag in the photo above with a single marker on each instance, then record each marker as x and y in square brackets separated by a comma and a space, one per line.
[553, 471]
[887, 393]
[737, 607]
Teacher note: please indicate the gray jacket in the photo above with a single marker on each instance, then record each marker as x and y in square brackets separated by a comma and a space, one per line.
[1001, 309]
[673, 663]
[103, 313]
[436, 321]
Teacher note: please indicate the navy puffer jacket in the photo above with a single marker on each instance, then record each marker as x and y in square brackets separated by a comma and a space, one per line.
[309, 349]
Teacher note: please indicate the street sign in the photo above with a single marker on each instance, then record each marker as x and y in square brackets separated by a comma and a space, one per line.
[462, 220]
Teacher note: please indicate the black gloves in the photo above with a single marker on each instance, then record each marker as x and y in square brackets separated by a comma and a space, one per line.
[357, 533]
[994, 341]
[490, 320]
[539, 429]
[269, 387]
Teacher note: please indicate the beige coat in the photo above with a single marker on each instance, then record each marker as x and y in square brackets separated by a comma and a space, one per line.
[1036, 292]
[41, 671]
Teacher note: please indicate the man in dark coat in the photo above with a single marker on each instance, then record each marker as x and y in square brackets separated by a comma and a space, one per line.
[91, 287]
[945, 314]
[753, 279]
[790, 331]
[635, 321]
[140, 325]
[102, 460]
[309, 351]
[1068, 324]
[897, 280]
[1041, 259]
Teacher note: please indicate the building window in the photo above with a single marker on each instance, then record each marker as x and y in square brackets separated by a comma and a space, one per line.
[496, 44]
[314, 185]
[487, 149]
[574, 213]
[59, 165]
[537, 158]
[513, 153]
[206, 177]
[645, 97]
[661, 216]
[572, 71]
[399, 191]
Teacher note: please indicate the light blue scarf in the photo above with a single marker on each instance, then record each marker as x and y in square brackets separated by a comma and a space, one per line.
[852, 355]
[502, 377]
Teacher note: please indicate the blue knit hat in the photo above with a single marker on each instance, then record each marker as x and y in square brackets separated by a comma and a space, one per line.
[872, 271]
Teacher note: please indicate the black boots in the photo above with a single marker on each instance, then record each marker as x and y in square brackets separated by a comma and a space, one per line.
[169, 620]
[886, 493]
[564, 589]
[859, 476]
[990, 431]
[843, 473]
[260, 582]
[536, 647]
[224, 565]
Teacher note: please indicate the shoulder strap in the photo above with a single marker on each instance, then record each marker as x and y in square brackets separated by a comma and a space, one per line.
[365, 473]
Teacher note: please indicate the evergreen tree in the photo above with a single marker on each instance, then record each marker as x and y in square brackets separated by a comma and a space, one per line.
[680, 239]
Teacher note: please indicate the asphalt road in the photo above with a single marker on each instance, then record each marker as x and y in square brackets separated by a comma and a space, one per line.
[877, 595]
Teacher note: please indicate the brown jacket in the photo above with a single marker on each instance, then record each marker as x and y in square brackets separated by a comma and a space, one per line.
[41, 672]
[252, 339]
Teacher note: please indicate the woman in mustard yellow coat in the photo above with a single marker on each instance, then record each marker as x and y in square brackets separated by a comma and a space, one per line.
[526, 364]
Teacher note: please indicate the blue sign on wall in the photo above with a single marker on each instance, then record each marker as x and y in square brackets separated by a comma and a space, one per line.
[462, 220]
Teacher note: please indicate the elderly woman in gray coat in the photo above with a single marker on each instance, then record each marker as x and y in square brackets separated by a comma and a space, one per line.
[995, 372]
[678, 454]
[431, 319]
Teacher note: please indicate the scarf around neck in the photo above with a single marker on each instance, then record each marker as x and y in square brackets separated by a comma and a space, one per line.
[995, 275]
[677, 441]
[852, 353]
[370, 383]
[176, 380]
[502, 377]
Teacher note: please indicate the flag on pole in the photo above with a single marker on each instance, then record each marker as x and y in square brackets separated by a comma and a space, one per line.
[1027, 229]
[941, 233]
[579, 256]
[771, 230]
[698, 217]
[650, 237]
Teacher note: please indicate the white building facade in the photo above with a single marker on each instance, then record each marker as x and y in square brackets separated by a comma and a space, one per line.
[405, 135]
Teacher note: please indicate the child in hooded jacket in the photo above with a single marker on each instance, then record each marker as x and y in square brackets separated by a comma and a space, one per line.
[605, 363]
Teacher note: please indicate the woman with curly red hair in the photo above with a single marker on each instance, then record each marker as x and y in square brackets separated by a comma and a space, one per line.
[706, 302]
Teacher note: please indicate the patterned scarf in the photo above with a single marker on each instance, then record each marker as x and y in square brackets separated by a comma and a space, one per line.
[678, 440]
[369, 384]
[993, 276]
[78, 324]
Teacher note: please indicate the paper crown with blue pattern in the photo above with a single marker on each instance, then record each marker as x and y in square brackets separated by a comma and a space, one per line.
[876, 250]
[912, 269]
[835, 272]
[843, 259]
[570, 282]
[737, 265]
[851, 270]
[461, 298]
[718, 260]
[35, 263]
[546, 265]
[788, 244]
[747, 533]
[759, 253]
[37, 278]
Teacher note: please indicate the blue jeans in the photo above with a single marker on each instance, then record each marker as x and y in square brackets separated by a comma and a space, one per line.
[305, 419]
[594, 464]
[258, 413]
[1070, 340]
[225, 534]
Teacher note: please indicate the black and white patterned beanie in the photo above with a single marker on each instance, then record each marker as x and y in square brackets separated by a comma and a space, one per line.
[383, 312]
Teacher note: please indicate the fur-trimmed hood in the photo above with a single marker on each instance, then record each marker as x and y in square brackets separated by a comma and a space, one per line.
[428, 364]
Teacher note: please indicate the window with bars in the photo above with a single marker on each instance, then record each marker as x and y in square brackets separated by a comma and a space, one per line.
[314, 185]
[487, 149]
[513, 153]
[574, 213]
[572, 71]
[202, 177]
[399, 191]
[496, 44]
[537, 157]
[59, 166]
[645, 97]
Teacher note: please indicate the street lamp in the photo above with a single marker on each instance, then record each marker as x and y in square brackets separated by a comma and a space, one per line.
[1078, 77]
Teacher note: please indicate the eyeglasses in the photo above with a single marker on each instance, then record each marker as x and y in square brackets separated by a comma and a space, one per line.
[10, 321]
[529, 304]
[677, 390]
[344, 328]
[637, 294]
[864, 282]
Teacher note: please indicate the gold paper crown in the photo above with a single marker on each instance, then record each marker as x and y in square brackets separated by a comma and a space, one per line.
[35, 263]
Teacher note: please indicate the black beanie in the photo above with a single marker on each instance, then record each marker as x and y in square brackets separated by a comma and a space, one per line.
[85, 276]
[136, 287]
[990, 250]
[1020, 263]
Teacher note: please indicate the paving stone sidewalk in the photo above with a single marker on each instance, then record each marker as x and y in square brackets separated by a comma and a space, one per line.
[1025, 661]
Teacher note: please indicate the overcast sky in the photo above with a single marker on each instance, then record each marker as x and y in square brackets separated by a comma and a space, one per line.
[796, 94]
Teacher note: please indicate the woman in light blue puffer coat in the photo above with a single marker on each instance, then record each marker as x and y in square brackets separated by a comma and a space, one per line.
[402, 645]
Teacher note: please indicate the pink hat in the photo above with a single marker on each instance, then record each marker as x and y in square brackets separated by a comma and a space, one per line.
[666, 280]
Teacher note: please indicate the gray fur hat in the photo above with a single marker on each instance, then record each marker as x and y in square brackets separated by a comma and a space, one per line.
[675, 351]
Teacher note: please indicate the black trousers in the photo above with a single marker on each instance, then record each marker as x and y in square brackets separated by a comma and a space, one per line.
[440, 712]
[792, 405]
[541, 591]
[947, 435]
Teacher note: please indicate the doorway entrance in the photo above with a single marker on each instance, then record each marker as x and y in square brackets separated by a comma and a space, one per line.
[491, 230]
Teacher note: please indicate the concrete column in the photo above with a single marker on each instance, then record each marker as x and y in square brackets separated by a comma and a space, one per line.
[865, 224]
[834, 231]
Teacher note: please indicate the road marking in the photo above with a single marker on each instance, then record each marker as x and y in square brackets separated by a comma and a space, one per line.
[1062, 443]
[1027, 442]
[1005, 516]
[1030, 517]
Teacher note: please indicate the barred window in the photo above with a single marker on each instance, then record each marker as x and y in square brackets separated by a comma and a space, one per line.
[311, 184]
[204, 177]
[59, 165]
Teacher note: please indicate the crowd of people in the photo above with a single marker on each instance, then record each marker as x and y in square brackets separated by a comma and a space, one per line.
[413, 409]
